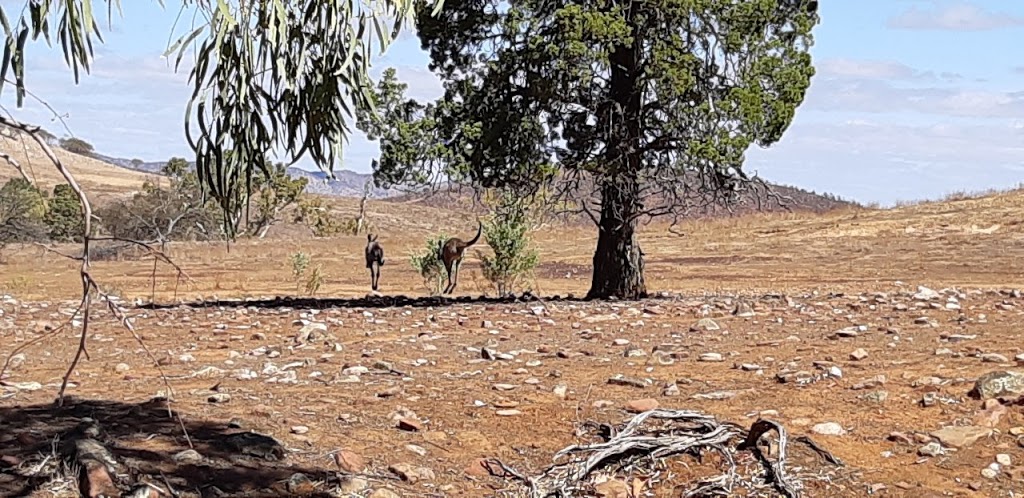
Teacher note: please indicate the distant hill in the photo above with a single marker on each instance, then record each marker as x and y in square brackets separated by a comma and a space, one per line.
[347, 183]
[350, 184]
[461, 199]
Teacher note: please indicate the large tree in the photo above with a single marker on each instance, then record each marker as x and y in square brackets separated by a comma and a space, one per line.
[272, 75]
[643, 104]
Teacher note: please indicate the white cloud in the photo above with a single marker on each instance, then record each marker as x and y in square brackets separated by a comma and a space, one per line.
[871, 87]
[878, 162]
[959, 16]
[867, 69]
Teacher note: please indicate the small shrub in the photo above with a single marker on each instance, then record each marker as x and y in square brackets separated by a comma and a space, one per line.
[64, 215]
[428, 265]
[299, 262]
[315, 280]
[513, 259]
[312, 282]
[316, 214]
[506, 234]
[351, 227]
[22, 208]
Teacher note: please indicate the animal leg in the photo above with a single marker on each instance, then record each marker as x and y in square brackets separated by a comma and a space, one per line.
[448, 269]
[456, 280]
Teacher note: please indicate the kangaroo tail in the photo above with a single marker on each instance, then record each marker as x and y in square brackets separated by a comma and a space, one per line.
[479, 229]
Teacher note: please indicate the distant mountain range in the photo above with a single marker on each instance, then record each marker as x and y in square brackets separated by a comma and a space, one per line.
[347, 183]
[350, 184]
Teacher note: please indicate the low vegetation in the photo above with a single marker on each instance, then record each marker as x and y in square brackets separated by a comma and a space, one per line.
[506, 232]
[428, 265]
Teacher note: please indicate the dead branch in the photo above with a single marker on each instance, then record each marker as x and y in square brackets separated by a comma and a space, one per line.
[16, 165]
[639, 448]
[89, 285]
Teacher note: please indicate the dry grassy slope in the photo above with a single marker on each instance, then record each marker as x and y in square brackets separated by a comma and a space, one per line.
[98, 178]
[462, 200]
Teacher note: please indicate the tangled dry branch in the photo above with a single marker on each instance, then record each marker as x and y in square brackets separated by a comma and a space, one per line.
[642, 447]
[90, 288]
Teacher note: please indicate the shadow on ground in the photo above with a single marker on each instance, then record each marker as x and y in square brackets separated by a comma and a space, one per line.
[366, 302]
[148, 445]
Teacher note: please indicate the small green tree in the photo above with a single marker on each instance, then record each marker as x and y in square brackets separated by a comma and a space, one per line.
[171, 208]
[316, 214]
[64, 215]
[274, 190]
[506, 234]
[22, 208]
[428, 264]
[76, 145]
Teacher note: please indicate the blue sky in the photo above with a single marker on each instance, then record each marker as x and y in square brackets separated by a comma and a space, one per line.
[913, 98]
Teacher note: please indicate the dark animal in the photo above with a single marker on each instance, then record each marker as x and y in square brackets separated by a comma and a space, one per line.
[374, 259]
[451, 252]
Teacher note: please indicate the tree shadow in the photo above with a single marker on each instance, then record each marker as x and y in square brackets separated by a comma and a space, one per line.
[149, 446]
[368, 302]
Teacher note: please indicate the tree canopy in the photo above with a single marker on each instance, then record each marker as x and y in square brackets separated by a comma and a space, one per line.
[641, 106]
[274, 75]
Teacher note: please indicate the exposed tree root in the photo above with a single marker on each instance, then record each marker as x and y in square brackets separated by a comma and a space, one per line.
[636, 449]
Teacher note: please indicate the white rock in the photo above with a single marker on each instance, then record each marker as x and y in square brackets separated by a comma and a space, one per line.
[829, 429]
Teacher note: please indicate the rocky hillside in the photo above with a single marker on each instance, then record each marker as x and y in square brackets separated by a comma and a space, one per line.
[796, 199]
[347, 183]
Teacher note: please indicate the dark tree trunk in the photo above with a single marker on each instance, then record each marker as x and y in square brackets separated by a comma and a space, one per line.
[618, 260]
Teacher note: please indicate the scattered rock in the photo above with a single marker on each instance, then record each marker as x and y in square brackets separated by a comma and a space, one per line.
[931, 449]
[711, 357]
[926, 294]
[613, 488]
[671, 390]
[409, 424]
[219, 398]
[255, 444]
[829, 429]
[478, 468]
[621, 380]
[349, 461]
[641, 405]
[508, 413]
[384, 493]
[560, 391]
[1004, 460]
[353, 485]
[960, 436]
[993, 358]
[998, 383]
[858, 354]
[411, 473]
[300, 484]
[706, 325]
[188, 457]
[991, 413]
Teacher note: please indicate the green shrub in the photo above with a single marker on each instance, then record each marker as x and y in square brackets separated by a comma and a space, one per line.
[429, 266]
[64, 215]
[22, 208]
[513, 258]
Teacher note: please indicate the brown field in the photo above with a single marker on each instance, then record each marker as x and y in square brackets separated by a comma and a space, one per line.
[805, 276]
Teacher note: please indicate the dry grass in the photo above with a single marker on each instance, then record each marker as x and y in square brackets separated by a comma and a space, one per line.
[101, 180]
[971, 243]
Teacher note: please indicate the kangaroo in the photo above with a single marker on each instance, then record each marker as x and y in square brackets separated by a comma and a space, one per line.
[374, 259]
[451, 252]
